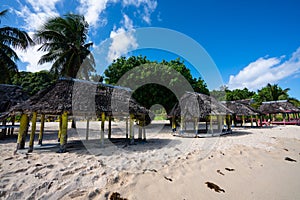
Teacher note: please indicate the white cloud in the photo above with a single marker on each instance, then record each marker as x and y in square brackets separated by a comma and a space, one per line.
[149, 7]
[266, 70]
[92, 9]
[37, 12]
[123, 40]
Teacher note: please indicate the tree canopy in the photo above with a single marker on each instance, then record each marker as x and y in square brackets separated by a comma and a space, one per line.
[153, 93]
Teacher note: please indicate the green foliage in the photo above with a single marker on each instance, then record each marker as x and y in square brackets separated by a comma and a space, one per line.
[10, 38]
[271, 93]
[238, 94]
[34, 82]
[63, 38]
[153, 93]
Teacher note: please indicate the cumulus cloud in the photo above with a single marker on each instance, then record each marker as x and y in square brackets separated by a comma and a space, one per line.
[266, 70]
[123, 40]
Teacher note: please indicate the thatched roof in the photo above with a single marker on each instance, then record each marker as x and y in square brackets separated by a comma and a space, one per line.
[193, 104]
[10, 95]
[273, 107]
[79, 97]
[240, 108]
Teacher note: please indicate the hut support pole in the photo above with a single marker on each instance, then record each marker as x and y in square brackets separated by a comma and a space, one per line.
[64, 132]
[243, 120]
[127, 127]
[196, 126]
[12, 123]
[219, 119]
[173, 124]
[182, 122]
[32, 134]
[251, 121]
[40, 142]
[4, 131]
[211, 124]
[109, 127]
[102, 128]
[228, 122]
[131, 129]
[140, 131]
[22, 131]
[144, 129]
[59, 128]
[87, 129]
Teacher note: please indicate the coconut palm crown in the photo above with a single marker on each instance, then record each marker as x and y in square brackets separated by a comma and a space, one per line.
[64, 40]
[10, 39]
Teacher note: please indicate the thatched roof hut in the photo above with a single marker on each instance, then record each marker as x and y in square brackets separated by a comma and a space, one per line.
[81, 98]
[10, 95]
[241, 109]
[273, 107]
[194, 104]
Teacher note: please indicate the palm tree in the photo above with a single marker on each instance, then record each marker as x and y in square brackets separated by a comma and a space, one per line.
[64, 40]
[10, 38]
[273, 93]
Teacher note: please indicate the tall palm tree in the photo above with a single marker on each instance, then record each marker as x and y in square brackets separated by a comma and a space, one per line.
[10, 38]
[273, 93]
[64, 40]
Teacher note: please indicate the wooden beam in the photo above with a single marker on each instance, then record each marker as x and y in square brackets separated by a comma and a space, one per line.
[127, 127]
[251, 120]
[33, 129]
[59, 127]
[41, 134]
[64, 133]
[211, 124]
[140, 135]
[22, 131]
[173, 124]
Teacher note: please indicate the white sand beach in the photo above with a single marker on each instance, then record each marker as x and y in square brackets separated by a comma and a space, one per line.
[251, 163]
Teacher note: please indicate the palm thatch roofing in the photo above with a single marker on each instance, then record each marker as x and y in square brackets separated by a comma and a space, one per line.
[193, 104]
[10, 95]
[273, 107]
[84, 98]
[240, 109]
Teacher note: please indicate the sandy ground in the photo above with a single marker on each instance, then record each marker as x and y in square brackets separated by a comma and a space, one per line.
[248, 164]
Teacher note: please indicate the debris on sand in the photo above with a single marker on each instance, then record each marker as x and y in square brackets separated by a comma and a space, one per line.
[214, 187]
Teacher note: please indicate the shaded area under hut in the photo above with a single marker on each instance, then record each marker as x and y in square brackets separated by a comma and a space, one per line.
[10, 95]
[73, 98]
[207, 116]
[290, 114]
[243, 113]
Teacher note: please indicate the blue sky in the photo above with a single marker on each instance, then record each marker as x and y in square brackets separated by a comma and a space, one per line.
[251, 42]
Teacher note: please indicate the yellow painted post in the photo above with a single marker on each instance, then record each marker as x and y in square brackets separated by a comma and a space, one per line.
[40, 142]
[33, 129]
[228, 122]
[256, 119]
[173, 124]
[131, 129]
[102, 128]
[251, 120]
[109, 127]
[219, 119]
[60, 126]
[211, 124]
[22, 131]
[87, 128]
[64, 133]
[243, 120]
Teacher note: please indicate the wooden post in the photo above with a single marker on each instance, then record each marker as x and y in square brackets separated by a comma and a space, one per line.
[251, 120]
[4, 130]
[126, 127]
[102, 128]
[196, 126]
[40, 142]
[140, 135]
[144, 128]
[87, 129]
[12, 123]
[59, 127]
[22, 131]
[219, 119]
[131, 129]
[243, 120]
[32, 134]
[211, 124]
[182, 123]
[173, 124]
[109, 127]
[64, 133]
[228, 122]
